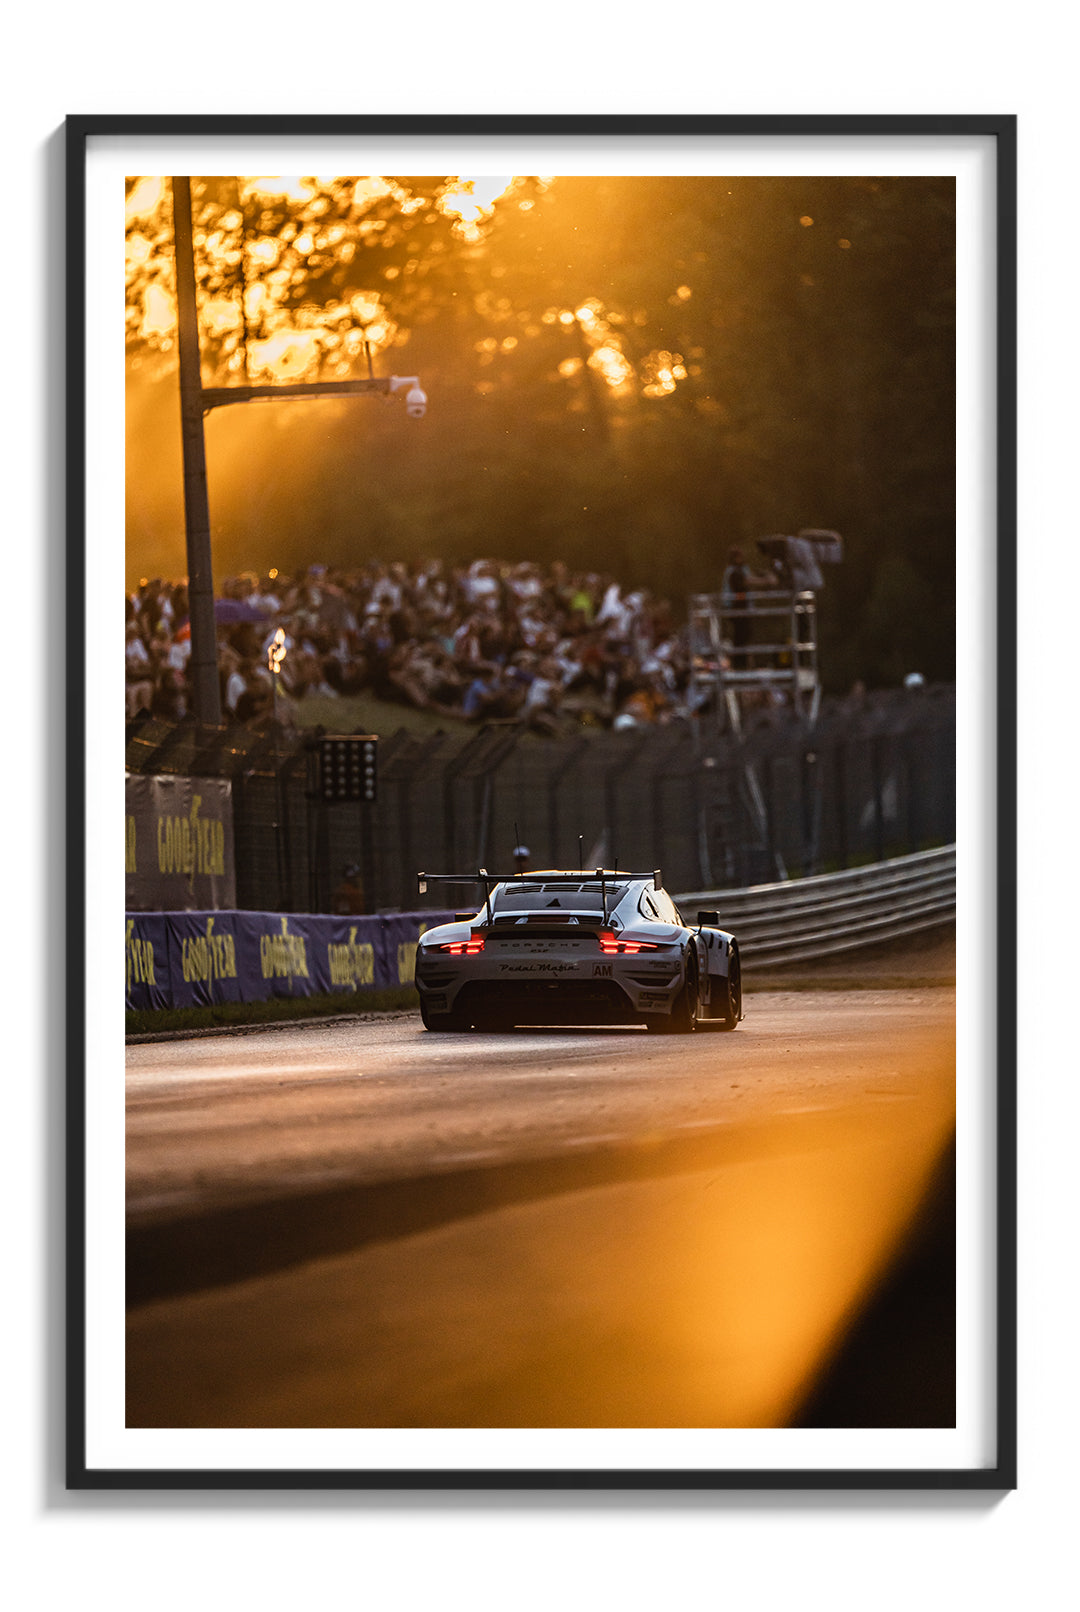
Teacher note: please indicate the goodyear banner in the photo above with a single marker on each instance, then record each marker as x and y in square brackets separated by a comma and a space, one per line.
[193, 959]
[179, 844]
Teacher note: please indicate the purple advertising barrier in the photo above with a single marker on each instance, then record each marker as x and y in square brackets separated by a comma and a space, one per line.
[194, 959]
[206, 957]
[146, 959]
[401, 931]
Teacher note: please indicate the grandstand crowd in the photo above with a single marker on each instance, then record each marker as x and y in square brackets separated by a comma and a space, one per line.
[479, 642]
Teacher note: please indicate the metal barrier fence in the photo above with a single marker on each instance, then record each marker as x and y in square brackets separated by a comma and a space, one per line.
[870, 780]
[802, 921]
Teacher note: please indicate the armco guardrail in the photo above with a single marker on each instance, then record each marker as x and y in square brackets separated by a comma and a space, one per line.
[803, 919]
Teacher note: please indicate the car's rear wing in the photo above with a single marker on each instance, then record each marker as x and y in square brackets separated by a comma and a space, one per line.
[601, 876]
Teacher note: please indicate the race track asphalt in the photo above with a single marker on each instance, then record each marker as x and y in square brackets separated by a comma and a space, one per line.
[361, 1224]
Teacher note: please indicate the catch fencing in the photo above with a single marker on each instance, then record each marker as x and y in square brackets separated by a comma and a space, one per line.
[870, 780]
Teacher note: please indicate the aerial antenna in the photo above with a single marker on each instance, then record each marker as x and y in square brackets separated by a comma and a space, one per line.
[580, 853]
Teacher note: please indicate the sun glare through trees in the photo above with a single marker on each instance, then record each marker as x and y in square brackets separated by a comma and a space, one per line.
[634, 373]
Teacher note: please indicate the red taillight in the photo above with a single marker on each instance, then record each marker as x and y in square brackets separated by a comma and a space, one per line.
[610, 944]
[463, 948]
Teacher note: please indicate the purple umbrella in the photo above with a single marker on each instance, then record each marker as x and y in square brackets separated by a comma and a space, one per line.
[227, 612]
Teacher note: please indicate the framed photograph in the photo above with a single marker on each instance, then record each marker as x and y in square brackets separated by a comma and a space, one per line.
[558, 786]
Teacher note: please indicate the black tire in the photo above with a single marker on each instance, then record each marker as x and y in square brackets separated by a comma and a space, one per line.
[729, 1018]
[686, 1008]
[441, 1021]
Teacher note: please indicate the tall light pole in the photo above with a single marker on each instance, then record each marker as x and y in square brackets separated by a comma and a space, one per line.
[196, 401]
[203, 669]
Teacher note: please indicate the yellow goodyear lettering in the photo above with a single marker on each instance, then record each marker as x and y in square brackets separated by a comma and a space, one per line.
[406, 958]
[129, 846]
[283, 956]
[191, 844]
[139, 958]
[209, 957]
[352, 962]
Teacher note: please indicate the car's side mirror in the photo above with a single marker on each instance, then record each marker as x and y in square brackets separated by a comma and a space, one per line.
[710, 920]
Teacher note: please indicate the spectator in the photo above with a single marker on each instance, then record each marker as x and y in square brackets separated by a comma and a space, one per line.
[138, 673]
[478, 642]
[232, 668]
[739, 580]
[169, 700]
[348, 897]
[479, 698]
[542, 699]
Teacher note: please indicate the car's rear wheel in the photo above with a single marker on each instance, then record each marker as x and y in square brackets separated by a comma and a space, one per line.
[686, 1007]
[441, 1021]
[732, 1012]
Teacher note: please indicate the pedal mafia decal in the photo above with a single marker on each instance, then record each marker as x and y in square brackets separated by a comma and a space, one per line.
[537, 968]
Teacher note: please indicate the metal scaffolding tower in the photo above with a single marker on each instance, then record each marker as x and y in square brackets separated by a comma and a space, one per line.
[750, 645]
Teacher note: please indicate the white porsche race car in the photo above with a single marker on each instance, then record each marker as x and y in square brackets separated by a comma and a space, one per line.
[576, 948]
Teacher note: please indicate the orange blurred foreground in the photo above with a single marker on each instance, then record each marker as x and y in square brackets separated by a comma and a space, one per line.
[704, 1299]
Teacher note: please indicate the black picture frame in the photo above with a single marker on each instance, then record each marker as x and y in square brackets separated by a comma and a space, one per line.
[1001, 134]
